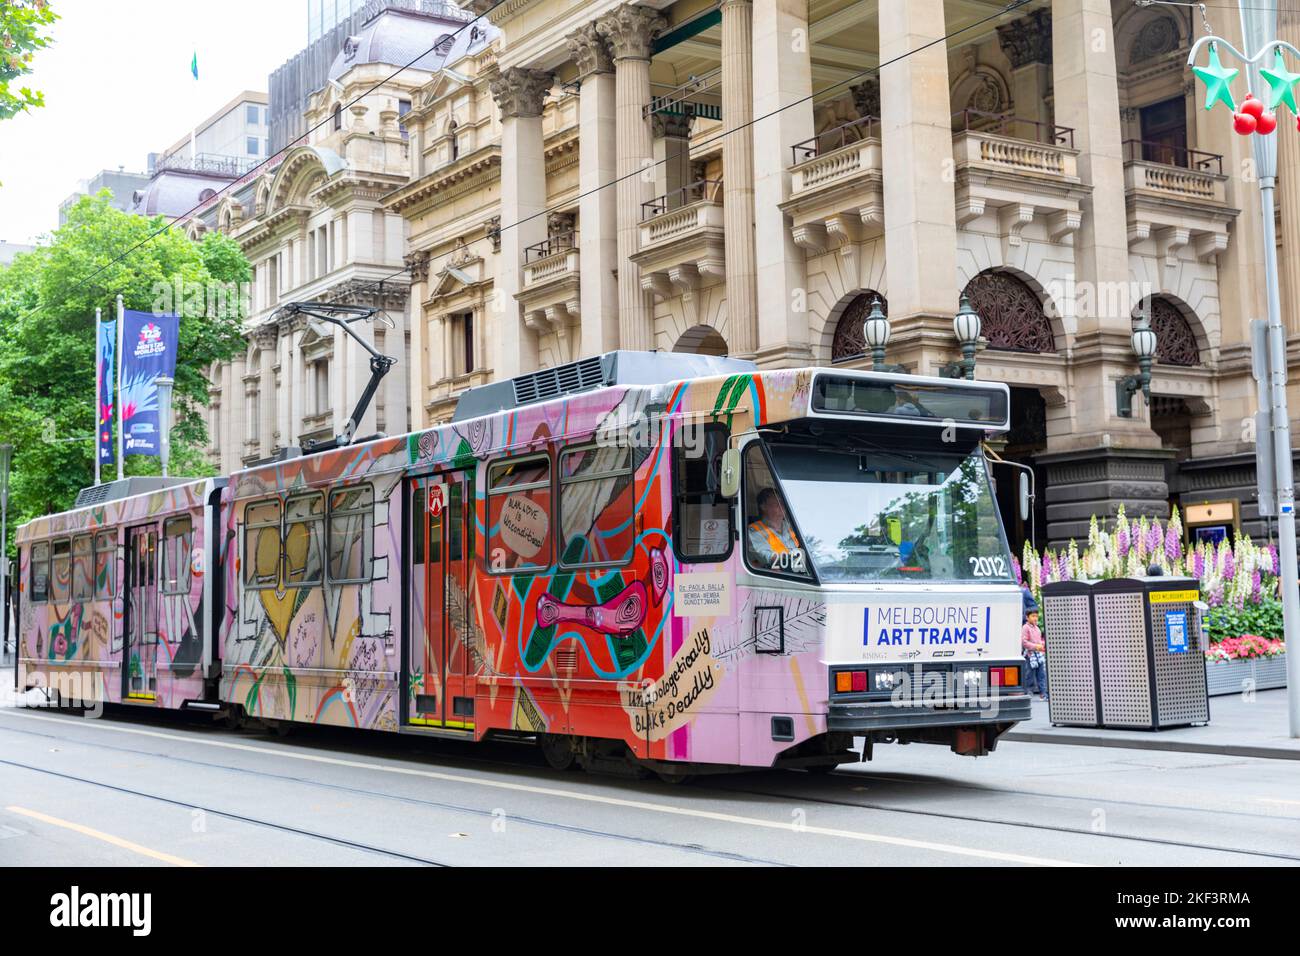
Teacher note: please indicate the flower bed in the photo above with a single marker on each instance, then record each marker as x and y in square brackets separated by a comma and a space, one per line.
[1234, 676]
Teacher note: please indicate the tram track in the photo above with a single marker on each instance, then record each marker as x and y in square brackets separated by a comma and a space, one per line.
[711, 786]
[574, 829]
[229, 815]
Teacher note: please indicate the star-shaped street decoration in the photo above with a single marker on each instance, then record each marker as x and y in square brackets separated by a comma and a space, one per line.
[1281, 84]
[1217, 80]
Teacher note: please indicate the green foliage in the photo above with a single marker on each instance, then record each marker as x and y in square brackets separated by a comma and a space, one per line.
[48, 299]
[1263, 620]
[23, 31]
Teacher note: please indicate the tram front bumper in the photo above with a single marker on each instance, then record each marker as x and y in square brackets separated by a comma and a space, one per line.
[858, 716]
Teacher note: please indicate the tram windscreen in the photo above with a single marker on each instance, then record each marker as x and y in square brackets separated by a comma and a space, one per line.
[872, 514]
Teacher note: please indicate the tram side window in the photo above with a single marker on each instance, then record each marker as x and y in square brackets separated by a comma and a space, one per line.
[83, 557]
[519, 514]
[304, 539]
[701, 516]
[39, 572]
[178, 540]
[351, 533]
[61, 572]
[262, 544]
[105, 565]
[596, 506]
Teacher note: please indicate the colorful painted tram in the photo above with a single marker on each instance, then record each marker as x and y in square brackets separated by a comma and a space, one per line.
[670, 561]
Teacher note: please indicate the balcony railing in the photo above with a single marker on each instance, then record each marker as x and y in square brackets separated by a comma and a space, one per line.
[855, 131]
[1013, 127]
[552, 245]
[1138, 150]
[709, 190]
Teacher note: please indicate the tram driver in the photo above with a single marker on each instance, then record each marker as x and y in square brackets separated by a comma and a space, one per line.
[771, 535]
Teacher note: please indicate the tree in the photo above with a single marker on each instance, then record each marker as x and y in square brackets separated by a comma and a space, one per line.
[47, 341]
[23, 26]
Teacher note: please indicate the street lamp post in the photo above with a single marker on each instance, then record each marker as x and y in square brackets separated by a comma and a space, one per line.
[6, 458]
[1144, 347]
[967, 325]
[875, 330]
[164, 385]
[1258, 23]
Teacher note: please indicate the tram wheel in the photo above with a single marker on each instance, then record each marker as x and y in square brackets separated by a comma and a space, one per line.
[557, 750]
[674, 777]
[822, 768]
[282, 728]
[234, 718]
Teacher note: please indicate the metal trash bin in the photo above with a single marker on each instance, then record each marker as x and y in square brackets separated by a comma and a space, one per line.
[1128, 652]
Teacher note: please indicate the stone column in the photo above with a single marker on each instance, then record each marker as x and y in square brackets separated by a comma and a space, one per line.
[234, 428]
[1087, 100]
[519, 94]
[266, 352]
[1027, 43]
[598, 257]
[920, 199]
[672, 139]
[783, 105]
[738, 175]
[417, 362]
[628, 30]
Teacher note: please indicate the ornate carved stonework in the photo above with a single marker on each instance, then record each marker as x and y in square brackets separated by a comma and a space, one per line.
[629, 30]
[987, 95]
[521, 92]
[1175, 340]
[1012, 315]
[850, 341]
[492, 227]
[1157, 37]
[866, 96]
[589, 51]
[417, 263]
[1027, 40]
[671, 125]
[265, 337]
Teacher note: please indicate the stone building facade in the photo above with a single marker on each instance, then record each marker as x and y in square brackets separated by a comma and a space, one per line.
[747, 176]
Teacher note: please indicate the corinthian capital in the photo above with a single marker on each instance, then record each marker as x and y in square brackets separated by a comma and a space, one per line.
[589, 51]
[629, 29]
[519, 91]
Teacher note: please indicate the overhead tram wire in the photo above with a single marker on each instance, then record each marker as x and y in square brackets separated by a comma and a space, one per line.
[869, 71]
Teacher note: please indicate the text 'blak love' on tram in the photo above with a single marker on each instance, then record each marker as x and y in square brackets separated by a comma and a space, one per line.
[672, 561]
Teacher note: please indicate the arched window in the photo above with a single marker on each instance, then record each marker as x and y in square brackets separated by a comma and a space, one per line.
[1011, 313]
[850, 343]
[1175, 340]
[701, 340]
[338, 116]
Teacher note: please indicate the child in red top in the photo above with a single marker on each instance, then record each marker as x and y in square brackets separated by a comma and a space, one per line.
[1031, 641]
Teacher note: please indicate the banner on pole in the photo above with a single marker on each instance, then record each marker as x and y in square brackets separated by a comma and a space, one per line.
[104, 378]
[148, 350]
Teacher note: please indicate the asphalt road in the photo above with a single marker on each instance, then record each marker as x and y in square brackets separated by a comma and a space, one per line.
[138, 789]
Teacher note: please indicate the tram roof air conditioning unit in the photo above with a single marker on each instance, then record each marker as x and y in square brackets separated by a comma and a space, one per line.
[599, 371]
[125, 488]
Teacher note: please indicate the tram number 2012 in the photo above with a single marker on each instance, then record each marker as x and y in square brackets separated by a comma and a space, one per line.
[790, 561]
[994, 567]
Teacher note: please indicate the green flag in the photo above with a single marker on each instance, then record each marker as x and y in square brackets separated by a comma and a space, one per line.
[194, 64]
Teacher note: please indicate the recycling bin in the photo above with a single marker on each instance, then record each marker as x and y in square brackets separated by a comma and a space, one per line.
[1125, 653]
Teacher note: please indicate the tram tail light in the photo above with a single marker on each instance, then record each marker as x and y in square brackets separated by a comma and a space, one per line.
[1004, 676]
[847, 682]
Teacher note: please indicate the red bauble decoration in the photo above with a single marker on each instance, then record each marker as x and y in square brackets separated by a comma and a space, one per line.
[1252, 105]
[1243, 123]
[1266, 123]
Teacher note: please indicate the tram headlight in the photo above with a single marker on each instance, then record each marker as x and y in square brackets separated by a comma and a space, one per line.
[884, 680]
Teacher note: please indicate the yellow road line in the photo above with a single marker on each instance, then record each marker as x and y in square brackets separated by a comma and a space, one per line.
[105, 837]
[645, 805]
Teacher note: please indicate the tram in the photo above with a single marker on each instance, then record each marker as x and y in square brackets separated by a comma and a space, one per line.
[672, 562]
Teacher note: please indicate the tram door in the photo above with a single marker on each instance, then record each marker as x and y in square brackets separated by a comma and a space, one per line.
[140, 648]
[442, 658]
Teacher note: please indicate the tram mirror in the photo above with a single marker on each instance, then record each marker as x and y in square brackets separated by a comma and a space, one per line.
[730, 486]
[1026, 496]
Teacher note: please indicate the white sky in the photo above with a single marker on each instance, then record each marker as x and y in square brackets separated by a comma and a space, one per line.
[117, 86]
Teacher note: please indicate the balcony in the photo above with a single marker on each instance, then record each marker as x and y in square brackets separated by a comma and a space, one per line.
[1017, 169]
[836, 194]
[681, 241]
[1176, 197]
[550, 293]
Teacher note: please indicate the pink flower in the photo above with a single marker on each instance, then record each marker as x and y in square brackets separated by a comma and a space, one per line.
[1049, 572]
[1229, 566]
[1015, 567]
[1173, 545]
[1255, 583]
[1121, 541]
